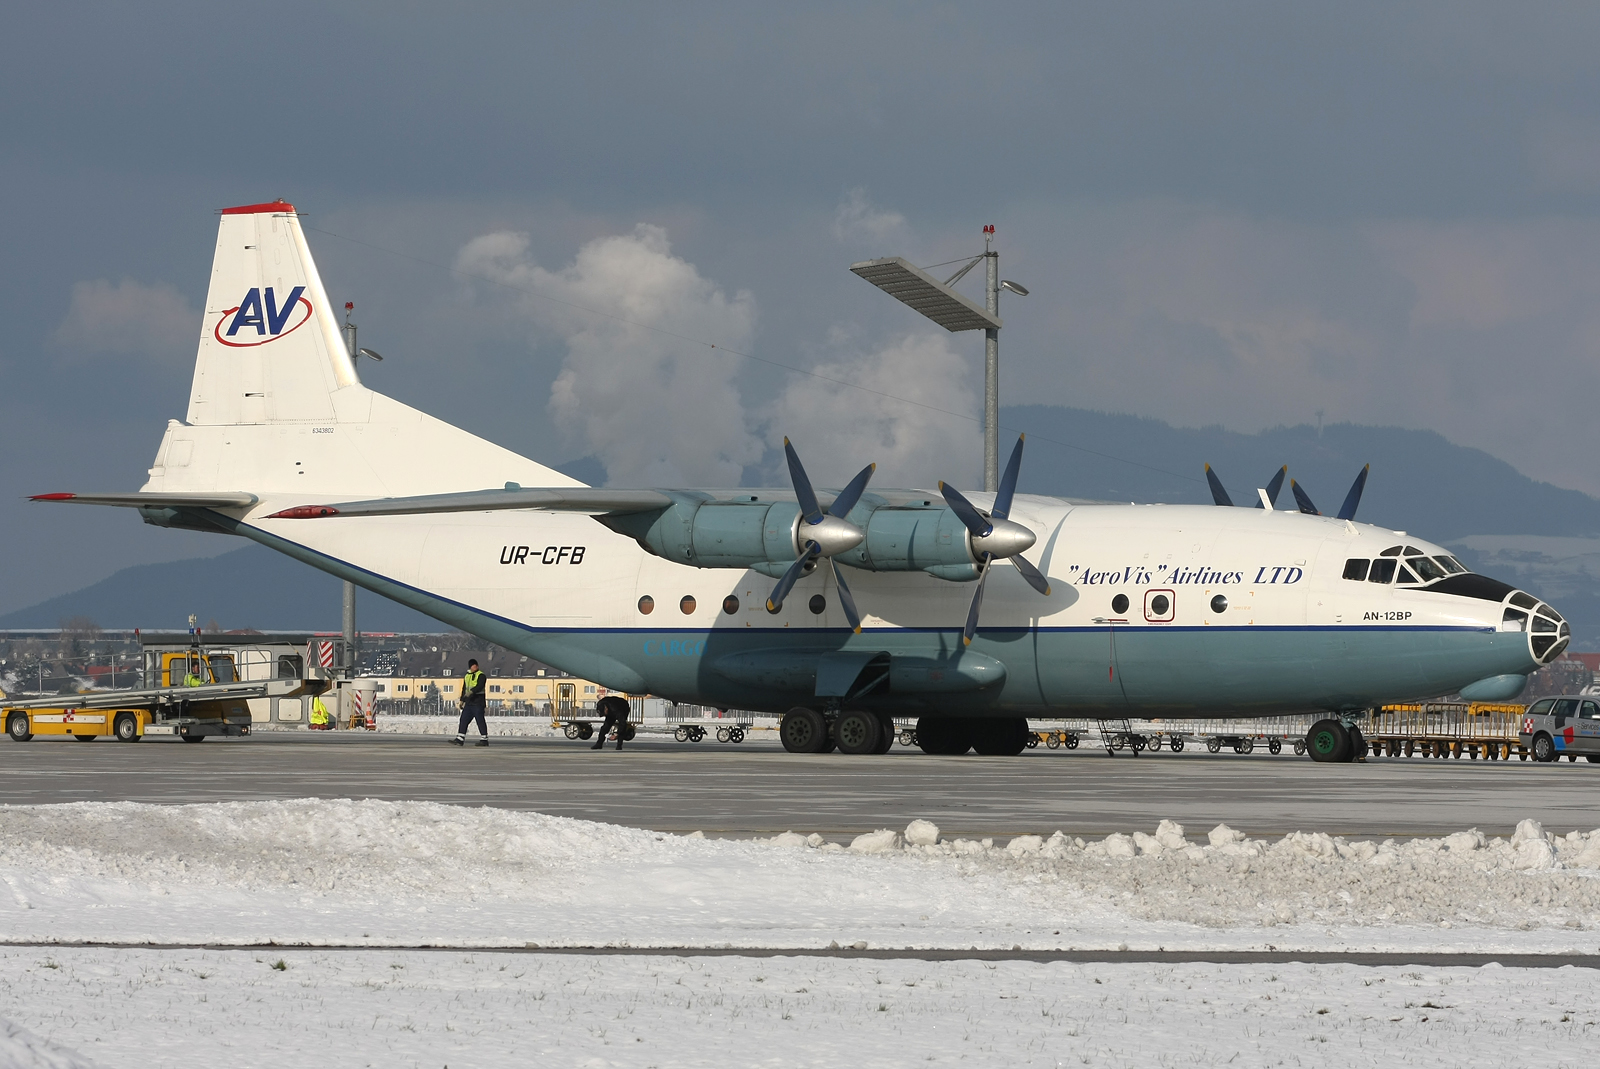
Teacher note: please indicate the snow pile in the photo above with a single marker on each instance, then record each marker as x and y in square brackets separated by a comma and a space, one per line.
[311, 870]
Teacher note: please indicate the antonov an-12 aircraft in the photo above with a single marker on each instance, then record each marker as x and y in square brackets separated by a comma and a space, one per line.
[838, 609]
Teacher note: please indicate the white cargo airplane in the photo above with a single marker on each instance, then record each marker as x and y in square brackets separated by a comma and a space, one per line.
[719, 597]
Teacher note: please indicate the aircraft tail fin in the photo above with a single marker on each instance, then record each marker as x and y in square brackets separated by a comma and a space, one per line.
[277, 405]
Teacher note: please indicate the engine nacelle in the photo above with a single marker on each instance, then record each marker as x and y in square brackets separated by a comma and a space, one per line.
[719, 533]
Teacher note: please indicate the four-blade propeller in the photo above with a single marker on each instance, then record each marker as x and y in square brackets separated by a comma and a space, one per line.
[1220, 496]
[1352, 500]
[822, 533]
[995, 537]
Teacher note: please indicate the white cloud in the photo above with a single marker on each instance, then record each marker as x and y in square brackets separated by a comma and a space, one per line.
[641, 386]
[910, 434]
[129, 317]
[856, 221]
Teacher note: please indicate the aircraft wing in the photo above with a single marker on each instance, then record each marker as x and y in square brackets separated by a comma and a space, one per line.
[211, 499]
[558, 499]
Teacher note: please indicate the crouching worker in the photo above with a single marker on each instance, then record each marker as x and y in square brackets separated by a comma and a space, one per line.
[616, 712]
[319, 715]
[472, 704]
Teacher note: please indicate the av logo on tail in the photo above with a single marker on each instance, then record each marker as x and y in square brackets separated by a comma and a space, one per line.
[259, 319]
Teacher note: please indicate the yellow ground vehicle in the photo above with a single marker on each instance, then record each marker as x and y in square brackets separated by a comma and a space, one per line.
[218, 705]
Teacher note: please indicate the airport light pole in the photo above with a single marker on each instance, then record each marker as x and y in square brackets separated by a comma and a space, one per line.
[939, 302]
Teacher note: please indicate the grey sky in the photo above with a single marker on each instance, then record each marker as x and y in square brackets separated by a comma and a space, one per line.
[1227, 213]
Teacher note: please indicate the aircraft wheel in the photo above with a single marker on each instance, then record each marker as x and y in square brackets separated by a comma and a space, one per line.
[86, 738]
[948, 736]
[1214, 744]
[1329, 742]
[17, 727]
[570, 731]
[1358, 744]
[804, 731]
[1274, 746]
[1072, 740]
[1001, 738]
[1175, 744]
[857, 732]
[885, 735]
[126, 728]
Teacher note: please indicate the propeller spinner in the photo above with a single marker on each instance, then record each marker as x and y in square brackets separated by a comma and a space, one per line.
[995, 537]
[822, 533]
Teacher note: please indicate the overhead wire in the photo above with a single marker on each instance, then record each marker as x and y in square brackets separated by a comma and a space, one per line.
[458, 272]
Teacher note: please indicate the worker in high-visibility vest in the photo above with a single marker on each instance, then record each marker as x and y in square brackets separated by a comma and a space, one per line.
[472, 705]
[319, 715]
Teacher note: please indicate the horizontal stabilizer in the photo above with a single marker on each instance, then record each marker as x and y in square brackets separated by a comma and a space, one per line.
[210, 500]
[557, 499]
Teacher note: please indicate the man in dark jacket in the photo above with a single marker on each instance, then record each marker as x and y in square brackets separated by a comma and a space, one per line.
[473, 685]
[615, 709]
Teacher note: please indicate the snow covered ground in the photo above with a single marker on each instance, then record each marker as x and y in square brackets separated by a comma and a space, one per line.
[204, 1009]
[387, 874]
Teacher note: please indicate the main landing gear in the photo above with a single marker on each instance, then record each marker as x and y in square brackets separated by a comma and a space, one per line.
[857, 731]
[989, 736]
[1333, 742]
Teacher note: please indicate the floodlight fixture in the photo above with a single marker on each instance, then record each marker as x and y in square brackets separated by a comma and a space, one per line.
[1015, 287]
[921, 291]
[369, 352]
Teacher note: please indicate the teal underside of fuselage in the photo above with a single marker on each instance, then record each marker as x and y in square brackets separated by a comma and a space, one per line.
[1100, 671]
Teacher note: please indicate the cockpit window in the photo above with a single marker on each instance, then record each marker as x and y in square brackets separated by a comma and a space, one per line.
[1513, 620]
[1356, 568]
[1412, 551]
[1450, 564]
[1524, 601]
[1427, 568]
[1392, 551]
[1405, 575]
[1382, 571]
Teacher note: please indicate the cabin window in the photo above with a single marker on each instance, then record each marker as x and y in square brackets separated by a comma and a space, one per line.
[1382, 571]
[818, 604]
[1356, 568]
[730, 604]
[1220, 602]
[687, 605]
[647, 605]
[1119, 604]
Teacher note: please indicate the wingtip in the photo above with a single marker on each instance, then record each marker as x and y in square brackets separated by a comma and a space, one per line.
[52, 497]
[858, 629]
[1047, 590]
[1208, 467]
